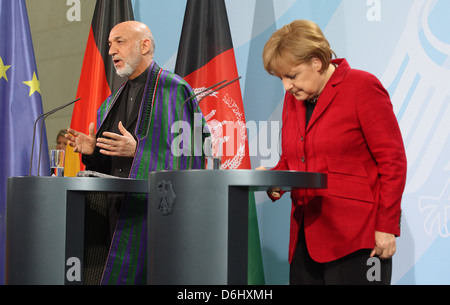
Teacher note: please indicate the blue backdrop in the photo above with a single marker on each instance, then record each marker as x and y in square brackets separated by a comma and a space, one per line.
[406, 45]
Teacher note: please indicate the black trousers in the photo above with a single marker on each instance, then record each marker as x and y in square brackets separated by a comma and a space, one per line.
[354, 269]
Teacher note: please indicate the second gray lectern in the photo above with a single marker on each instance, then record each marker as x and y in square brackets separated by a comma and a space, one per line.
[198, 222]
[45, 225]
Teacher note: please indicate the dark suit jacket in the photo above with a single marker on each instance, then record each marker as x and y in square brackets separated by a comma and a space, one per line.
[353, 136]
[116, 166]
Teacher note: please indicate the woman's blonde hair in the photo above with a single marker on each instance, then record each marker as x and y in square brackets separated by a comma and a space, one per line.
[296, 43]
[61, 133]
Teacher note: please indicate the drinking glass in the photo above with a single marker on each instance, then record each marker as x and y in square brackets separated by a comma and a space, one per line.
[57, 158]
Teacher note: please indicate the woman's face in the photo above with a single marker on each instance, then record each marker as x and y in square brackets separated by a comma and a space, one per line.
[61, 143]
[303, 81]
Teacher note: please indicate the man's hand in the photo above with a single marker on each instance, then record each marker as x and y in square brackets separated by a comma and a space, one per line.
[82, 143]
[385, 245]
[113, 144]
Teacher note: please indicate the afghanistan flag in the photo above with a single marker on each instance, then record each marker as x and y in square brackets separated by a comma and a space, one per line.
[20, 106]
[206, 57]
[98, 77]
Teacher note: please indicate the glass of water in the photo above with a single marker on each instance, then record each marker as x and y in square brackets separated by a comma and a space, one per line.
[213, 152]
[57, 158]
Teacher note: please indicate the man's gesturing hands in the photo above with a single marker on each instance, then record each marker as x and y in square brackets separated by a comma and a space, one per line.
[110, 144]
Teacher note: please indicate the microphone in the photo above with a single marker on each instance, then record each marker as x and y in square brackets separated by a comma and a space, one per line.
[199, 93]
[209, 93]
[220, 88]
[44, 116]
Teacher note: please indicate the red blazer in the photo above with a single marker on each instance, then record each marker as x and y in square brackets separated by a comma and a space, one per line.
[353, 136]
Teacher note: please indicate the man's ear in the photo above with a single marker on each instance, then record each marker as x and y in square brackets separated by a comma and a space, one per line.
[145, 46]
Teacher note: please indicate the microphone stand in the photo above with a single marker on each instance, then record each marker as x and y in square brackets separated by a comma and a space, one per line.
[44, 116]
[216, 166]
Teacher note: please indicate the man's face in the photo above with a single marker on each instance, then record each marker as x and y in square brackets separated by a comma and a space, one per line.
[125, 51]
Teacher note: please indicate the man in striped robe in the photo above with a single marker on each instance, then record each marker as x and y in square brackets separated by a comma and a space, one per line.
[136, 134]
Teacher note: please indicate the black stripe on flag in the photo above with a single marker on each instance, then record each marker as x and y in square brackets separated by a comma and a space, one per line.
[206, 35]
[107, 14]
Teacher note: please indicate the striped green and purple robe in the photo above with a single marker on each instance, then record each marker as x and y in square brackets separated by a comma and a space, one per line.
[161, 107]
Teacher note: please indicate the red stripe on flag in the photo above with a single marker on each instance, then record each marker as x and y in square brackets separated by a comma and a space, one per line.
[224, 110]
[93, 89]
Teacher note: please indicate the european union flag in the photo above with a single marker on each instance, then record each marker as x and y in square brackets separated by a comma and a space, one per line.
[20, 105]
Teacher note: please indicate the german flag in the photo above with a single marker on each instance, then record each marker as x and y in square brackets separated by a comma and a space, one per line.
[206, 57]
[98, 77]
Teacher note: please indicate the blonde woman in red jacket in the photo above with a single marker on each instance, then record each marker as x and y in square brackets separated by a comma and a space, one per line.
[338, 121]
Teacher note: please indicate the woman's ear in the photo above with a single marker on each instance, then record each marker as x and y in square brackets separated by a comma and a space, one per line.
[316, 64]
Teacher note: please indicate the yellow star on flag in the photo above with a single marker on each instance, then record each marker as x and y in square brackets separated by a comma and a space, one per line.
[34, 85]
[3, 69]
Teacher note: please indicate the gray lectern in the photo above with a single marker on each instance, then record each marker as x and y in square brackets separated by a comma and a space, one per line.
[198, 222]
[45, 224]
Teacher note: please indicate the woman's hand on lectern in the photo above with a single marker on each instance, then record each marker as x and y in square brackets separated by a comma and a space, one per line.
[275, 192]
